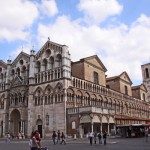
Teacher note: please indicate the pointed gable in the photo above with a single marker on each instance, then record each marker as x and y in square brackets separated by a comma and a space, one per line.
[140, 87]
[124, 76]
[51, 46]
[23, 55]
[94, 60]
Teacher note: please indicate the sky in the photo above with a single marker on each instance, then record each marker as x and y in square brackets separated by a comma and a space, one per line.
[118, 31]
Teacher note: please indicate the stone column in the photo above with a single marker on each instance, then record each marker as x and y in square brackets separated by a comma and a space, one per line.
[108, 129]
[21, 128]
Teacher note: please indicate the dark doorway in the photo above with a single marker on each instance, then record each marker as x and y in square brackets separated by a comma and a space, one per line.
[39, 127]
[40, 130]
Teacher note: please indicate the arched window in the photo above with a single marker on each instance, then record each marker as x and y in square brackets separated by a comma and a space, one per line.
[146, 73]
[47, 119]
[0, 69]
[38, 96]
[13, 72]
[51, 62]
[24, 70]
[18, 71]
[95, 76]
[45, 64]
[38, 66]
[59, 60]
[126, 90]
[143, 96]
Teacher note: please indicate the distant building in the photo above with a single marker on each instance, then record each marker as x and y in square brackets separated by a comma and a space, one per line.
[46, 92]
[146, 78]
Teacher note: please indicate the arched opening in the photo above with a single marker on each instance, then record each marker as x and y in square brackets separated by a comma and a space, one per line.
[48, 53]
[146, 73]
[24, 70]
[44, 65]
[51, 62]
[38, 67]
[39, 127]
[2, 76]
[59, 60]
[15, 122]
[18, 71]
[12, 72]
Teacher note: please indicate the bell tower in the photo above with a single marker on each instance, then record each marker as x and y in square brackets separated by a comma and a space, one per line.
[146, 78]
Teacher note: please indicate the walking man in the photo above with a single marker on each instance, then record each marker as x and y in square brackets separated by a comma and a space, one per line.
[91, 137]
[54, 137]
[104, 137]
[58, 137]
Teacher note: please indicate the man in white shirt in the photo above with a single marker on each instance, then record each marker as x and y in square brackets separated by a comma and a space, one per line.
[91, 137]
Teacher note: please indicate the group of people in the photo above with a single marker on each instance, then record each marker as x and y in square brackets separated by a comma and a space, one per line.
[100, 136]
[35, 140]
[58, 138]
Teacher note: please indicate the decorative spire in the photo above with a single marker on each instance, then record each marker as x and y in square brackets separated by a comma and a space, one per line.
[32, 51]
[9, 60]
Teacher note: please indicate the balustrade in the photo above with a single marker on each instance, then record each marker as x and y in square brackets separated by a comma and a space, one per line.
[48, 75]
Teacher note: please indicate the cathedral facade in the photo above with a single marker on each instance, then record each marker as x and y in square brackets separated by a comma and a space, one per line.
[46, 92]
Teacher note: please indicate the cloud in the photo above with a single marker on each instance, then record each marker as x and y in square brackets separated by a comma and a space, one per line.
[97, 11]
[16, 18]
[49, 8]
[121, 48]
[25, 48]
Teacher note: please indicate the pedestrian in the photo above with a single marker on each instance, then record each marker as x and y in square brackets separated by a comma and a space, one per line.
[30, 141]
[91, 137]
[104, 137]
[99, 137]
[35, 143]
[8, 138]
[58, 136]
[95, 137]
[54, 137]
[63, 139]
[38, 138]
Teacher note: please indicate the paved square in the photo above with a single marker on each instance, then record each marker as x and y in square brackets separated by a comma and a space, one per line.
[83, 144]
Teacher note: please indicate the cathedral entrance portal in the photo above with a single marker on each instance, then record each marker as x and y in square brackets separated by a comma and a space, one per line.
[15, 122]
[39, 127]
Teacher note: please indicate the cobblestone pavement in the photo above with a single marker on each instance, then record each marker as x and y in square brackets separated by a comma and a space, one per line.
[82, 144]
